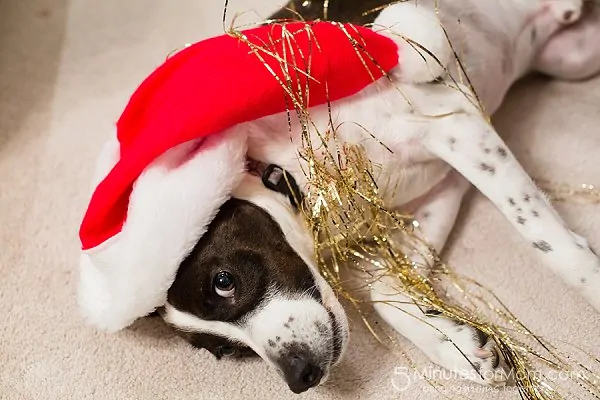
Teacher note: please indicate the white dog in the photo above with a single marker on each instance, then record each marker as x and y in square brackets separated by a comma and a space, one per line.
[284, 310]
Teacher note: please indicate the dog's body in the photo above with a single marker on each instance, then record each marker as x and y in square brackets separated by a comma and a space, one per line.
[430, 167]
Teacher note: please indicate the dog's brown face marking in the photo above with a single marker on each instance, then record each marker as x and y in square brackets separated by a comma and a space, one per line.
[246, 242]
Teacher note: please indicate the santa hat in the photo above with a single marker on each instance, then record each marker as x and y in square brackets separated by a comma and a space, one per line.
[174, 162]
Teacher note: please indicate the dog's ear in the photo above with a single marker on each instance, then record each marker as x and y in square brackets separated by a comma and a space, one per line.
[203, 341]
[358, 12]
[298, 10]
[218, 346]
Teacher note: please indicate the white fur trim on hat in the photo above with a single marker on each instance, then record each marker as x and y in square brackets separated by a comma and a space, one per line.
[170, 207]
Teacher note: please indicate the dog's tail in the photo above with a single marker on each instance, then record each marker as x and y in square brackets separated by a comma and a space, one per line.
[424, 49]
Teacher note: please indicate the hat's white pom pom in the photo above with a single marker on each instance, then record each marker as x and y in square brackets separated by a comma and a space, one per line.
[415, 28]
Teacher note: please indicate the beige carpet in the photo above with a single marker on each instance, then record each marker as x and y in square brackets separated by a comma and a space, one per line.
[66, 70]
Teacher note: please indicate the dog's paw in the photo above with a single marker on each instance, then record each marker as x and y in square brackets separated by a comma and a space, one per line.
[565, 11]
[468, 352]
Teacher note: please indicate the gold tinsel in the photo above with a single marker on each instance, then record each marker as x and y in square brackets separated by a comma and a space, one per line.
[355, 234]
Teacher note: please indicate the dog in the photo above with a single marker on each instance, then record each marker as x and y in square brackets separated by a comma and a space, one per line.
[251, 285]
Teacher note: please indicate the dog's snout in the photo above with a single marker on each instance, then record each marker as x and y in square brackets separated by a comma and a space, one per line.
[300, 372]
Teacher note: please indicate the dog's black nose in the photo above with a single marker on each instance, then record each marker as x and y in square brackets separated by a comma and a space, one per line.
[300, 373]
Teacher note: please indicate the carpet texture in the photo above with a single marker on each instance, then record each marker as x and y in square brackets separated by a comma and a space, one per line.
[66, 71]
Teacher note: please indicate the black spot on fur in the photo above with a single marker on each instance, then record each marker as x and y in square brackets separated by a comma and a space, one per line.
[542, 245]
[321, 327]
[290, 319]
[519, 210]
[286, 325]
[278, 338]
[502, 152]
[583, 280]
[295, 347]
[521, 220]
[432, 313]
[526, 198]
[487, 151]
[271, 343]
[496, 358]
[488, 168]
[481, 337]
[535, 213]
[568, 15]
[511, 201]
[452, 142]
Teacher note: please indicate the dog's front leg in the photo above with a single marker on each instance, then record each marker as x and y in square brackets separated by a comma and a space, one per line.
[448, 343]
[470, 145]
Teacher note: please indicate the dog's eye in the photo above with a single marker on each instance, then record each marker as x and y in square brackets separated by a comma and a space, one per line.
[226, 351]
[224, 284]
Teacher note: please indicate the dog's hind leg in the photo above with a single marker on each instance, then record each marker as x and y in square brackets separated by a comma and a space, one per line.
[574, 52]
[469, 143]
[457, 347]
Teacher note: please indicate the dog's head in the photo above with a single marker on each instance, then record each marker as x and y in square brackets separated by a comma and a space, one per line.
[250, 286]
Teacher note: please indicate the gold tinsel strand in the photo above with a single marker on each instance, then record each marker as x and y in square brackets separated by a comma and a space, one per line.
[354, 233]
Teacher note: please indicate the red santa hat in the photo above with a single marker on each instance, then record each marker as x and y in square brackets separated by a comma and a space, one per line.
[174, 162]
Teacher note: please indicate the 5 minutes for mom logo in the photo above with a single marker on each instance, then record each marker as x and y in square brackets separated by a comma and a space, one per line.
[401, 378]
